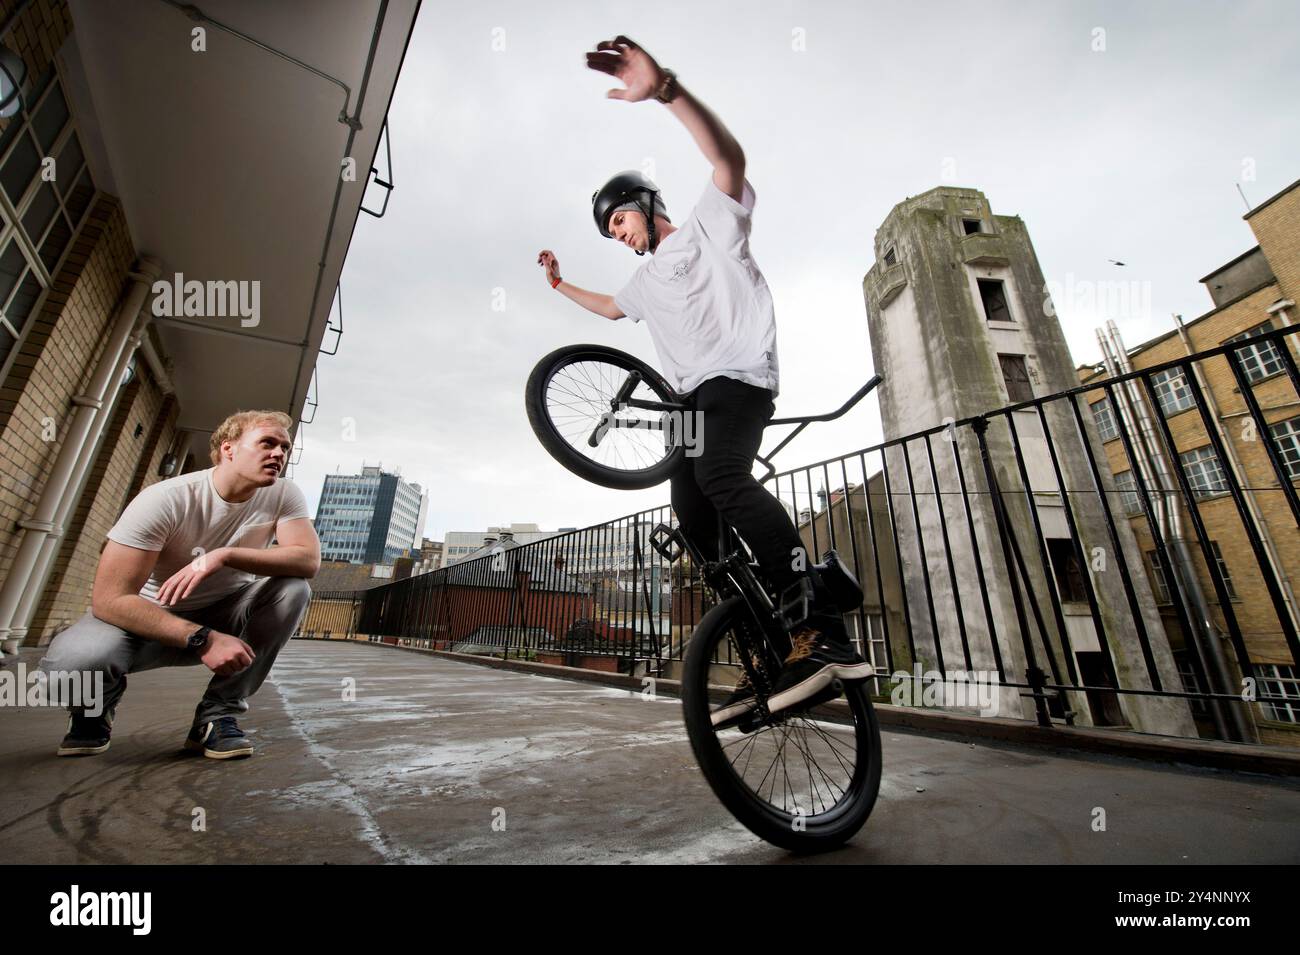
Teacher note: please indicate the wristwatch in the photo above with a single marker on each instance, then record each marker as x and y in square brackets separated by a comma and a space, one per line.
[667, 91]
[198, 640]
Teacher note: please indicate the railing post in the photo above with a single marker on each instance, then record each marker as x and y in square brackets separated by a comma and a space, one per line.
[1033, 674]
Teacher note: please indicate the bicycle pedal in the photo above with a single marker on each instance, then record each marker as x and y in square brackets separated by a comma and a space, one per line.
[664, 539]
[795, 604]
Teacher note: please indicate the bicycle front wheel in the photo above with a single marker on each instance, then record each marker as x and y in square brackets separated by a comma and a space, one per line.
[586, 406]
[797, 781]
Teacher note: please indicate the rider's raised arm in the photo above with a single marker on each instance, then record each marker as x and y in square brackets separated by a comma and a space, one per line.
[646, 79]
[715, 141]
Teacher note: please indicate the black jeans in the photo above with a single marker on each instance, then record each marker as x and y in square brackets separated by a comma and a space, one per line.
[720, 479]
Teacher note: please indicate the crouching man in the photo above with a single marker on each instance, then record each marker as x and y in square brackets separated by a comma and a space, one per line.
[189, 576]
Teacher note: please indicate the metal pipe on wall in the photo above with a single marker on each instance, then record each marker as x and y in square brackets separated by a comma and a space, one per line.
[1208, 638]
[87, 422]
[50, 546]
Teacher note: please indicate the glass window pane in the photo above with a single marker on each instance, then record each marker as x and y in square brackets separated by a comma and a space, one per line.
[42, 209]
[80, 197]
[1128, 494]
[1204, 472]
[50, 120]
[7, 343]
[1286, 435]
[1106, 426]
[19, 168]
[68, 165]
[1258, 361]
[54, 244]
[12, 264]
[1172, 391]
[20, 306]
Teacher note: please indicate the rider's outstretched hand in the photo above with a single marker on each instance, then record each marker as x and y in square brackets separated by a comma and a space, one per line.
[547, 260]
[622, 58]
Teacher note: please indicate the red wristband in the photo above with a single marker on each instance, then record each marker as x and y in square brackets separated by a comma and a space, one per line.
[556, 282]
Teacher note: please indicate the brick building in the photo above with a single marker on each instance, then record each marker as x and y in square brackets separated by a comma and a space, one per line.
[158, 149]
[1253, 294]
[502, 593]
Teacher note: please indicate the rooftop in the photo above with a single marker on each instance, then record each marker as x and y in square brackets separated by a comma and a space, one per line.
[416, 767]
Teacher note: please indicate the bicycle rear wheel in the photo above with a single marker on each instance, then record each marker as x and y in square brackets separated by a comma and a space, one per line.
[572, 397]
[799, 782]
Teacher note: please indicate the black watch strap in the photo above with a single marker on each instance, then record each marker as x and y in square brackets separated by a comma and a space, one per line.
[199, 638]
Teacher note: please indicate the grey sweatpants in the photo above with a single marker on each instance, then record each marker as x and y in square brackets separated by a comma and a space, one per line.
[263, 614]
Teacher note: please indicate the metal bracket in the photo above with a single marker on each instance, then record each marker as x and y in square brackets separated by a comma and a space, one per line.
[329, 325]
[385, 184]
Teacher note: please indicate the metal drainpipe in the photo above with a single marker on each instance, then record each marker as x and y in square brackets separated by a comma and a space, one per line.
[1161, 507]
[1128, 420]
[1270, 549]
[49, 547]
[86, 423]
[1147, 437]
[1209, 636]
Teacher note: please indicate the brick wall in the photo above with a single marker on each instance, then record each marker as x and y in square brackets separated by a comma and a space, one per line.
[56, 361]
[1277, 229]
[39, 32]
[110, 485]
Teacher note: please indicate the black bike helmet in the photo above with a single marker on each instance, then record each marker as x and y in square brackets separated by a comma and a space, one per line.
[629, 186]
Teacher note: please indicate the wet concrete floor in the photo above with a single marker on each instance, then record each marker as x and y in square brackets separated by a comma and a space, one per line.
[432, 752]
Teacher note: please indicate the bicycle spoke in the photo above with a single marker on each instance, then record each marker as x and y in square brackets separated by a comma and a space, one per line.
[579, 397]
[804, 766]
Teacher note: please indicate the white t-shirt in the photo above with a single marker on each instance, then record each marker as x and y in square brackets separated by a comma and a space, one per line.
[704, 300]
[175, 516]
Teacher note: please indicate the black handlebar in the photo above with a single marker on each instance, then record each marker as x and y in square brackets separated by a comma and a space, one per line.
[861, 393]
[803, 422]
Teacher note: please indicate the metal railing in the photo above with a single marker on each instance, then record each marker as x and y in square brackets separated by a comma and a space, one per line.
[997, 548]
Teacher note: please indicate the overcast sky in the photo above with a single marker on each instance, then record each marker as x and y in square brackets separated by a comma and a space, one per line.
[1130, 152]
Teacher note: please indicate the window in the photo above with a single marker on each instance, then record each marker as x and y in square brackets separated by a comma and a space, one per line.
[1204, 472]
[1223, 569]
[1158, 577]
[1260, 360]
[1104, 415]
[1015, 375]
[1067, 568]
[1128, 493]
[1279, 680]
[1286, 435]
[36, 214]
[890, 257]
[1191, 681]
[971, 226]
[1171, 391]
[993, 295]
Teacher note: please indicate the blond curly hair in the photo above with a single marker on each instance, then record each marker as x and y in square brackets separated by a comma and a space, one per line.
[237, 423]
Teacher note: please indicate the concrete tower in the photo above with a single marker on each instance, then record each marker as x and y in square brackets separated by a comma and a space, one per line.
[961, 325]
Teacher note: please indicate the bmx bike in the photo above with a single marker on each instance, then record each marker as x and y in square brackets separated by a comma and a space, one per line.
[803, 782]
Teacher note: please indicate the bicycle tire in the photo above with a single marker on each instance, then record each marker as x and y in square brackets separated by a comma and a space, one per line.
[818, 831]
[551, 438]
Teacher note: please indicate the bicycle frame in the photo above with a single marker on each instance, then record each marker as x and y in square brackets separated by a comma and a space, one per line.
[733, 574]
[623, 400]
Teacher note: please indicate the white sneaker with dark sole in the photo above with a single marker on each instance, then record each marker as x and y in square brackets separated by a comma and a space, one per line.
[810, 673]
[736, 706]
